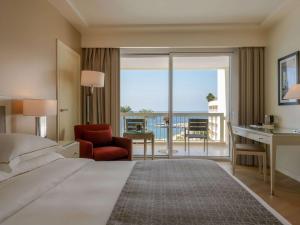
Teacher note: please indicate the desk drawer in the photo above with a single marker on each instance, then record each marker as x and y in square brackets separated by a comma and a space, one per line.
[259, 138]
[240, 132]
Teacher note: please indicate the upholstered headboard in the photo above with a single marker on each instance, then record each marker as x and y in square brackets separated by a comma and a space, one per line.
[2, 119]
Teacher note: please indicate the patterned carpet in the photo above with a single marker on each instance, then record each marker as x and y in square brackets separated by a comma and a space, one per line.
[186, 192]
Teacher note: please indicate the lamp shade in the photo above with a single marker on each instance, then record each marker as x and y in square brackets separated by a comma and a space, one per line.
[92, 78]
[293, 93]
[39, 107]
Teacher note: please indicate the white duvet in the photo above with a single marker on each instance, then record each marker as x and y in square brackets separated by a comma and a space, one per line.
[65, 191]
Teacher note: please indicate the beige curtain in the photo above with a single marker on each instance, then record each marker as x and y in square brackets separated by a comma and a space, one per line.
[106, 101]
[251, 91]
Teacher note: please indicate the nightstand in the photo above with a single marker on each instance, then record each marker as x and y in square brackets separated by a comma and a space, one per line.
[70, 149]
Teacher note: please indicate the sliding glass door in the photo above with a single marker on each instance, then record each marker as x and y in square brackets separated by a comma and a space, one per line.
[181, 98]
[199, 105]
[144, 98]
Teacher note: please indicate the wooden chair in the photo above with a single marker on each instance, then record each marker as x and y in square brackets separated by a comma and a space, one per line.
[131, 124]
[197, 128]
[247, 149]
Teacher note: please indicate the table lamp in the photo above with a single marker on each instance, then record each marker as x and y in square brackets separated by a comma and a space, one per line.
[40, 108]
[91, 79]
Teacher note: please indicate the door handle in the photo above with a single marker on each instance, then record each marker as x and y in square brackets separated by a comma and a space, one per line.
[64, 110]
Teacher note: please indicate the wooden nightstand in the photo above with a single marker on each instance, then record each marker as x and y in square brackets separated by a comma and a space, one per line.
[69, 149]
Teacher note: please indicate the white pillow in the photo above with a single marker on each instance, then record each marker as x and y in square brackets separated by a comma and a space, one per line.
[8, 167]
[13, 145]
[31, 164]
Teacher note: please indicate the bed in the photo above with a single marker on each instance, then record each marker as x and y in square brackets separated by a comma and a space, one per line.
[85, 192]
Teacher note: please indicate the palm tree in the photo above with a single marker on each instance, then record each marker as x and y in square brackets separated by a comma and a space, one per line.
[125, 109]
[210, 97]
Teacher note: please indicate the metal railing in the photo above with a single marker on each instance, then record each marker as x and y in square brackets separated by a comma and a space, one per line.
[155, 121]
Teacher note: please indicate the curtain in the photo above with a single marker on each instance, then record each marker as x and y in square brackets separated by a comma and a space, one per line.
[105, 107]
[251, 91]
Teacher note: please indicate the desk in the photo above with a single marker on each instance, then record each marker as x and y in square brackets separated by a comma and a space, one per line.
[144, 135]
[273, 138]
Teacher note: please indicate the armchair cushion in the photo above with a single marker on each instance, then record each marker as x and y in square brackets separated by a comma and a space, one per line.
[86, 149]
[110, 153]
[98, 137]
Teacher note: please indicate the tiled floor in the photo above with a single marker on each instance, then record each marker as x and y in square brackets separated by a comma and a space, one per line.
[196, 149]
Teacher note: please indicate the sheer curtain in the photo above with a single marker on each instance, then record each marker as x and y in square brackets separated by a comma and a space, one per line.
[251, 91]
[106, 101]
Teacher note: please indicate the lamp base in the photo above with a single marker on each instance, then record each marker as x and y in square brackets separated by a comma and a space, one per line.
[41, 126]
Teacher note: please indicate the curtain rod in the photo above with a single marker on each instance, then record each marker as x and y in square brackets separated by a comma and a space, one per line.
[170, 53]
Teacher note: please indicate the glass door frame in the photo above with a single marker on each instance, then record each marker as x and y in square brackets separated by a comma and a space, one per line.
[188, 53]
[145, 55]
[172, 55]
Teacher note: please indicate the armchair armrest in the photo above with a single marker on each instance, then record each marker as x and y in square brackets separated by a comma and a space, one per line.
[124, 143]
[86, 149]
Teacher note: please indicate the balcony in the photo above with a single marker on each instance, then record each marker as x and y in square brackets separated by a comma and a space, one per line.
[155, 122]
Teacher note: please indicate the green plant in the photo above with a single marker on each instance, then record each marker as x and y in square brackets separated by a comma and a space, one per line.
[146, 111]
[125, 109]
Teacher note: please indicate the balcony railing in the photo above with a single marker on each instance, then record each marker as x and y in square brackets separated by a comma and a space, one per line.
[156, 123]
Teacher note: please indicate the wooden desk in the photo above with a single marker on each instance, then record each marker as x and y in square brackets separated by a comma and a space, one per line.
[144, 135]
[273, 138]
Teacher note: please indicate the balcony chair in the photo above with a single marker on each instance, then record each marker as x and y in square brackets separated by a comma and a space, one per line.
[97, 142]
[131, 124]
[197, 128]
[247, 149]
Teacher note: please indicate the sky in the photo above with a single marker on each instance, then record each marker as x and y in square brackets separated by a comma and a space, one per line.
[148, 89]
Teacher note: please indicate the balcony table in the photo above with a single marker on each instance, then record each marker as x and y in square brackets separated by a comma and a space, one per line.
[144, 135]
[166, 126]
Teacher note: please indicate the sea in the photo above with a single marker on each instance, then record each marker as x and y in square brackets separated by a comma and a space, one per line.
[157, 125]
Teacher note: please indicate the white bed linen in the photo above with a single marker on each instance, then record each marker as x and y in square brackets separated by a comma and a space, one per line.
[66, 191]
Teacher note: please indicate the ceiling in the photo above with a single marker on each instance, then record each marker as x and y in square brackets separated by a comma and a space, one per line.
[161, 12]
[126, 13]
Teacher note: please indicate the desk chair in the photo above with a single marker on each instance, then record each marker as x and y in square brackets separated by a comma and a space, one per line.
[247, 149]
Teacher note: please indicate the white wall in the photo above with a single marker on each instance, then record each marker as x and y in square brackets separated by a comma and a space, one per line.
[283, 39]
[28, 33]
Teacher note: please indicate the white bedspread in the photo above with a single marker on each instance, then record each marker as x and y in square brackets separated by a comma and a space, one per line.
[66, 191]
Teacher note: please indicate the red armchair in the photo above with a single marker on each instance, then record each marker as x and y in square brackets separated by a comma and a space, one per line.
[97, 142]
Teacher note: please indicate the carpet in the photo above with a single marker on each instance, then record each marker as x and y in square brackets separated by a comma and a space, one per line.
[186, 192]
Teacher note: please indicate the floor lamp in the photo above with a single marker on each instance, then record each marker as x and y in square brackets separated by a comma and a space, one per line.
[40, 108]
[91, 79]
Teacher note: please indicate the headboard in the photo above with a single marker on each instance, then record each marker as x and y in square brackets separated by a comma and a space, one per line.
[2, 119]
